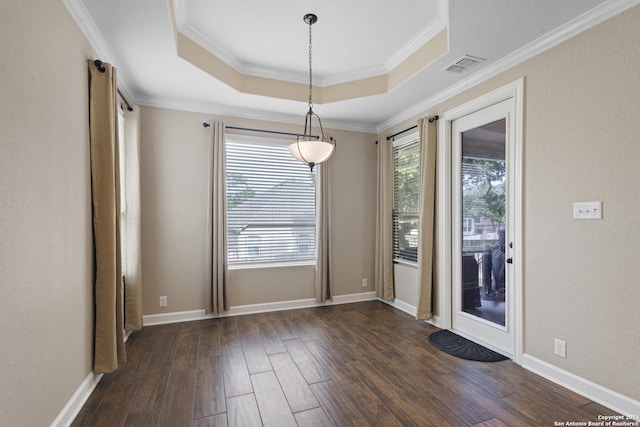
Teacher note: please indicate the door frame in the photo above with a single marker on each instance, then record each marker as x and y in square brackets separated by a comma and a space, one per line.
[513, 90]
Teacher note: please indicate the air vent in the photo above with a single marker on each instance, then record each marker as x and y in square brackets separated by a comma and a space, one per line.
[464, 63]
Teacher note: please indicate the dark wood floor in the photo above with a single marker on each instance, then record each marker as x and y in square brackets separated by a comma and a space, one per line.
[363, 364]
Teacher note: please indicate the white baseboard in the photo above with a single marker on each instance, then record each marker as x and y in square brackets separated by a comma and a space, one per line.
[608, 398]
[187, 316]
[73, 406]
[602, 395]
[412, 310]
[402, 306]
[435, 321]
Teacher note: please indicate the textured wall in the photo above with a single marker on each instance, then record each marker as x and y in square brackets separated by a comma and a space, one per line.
[46, 250]
[174, 194]
[581, 104]
[582, 144]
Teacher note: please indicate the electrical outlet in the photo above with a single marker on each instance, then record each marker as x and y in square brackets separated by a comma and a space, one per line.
[163, 301]
[559, 348]
[364, 283]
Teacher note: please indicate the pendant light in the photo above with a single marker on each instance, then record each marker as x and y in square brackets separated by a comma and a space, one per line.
[308, 148]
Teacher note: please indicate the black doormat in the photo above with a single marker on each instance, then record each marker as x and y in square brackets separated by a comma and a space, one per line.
[458, 346]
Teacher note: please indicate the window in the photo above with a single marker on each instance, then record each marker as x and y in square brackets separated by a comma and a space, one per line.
[406, 167]
[303, 243]
[468, 226]
[253, 245]
[270, 205]
[122, 182]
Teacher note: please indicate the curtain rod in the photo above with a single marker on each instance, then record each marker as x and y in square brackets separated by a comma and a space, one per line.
[431, 120]
[100, 66]
[205, 124]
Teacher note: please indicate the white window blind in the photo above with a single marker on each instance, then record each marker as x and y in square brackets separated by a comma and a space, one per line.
[406, 167]
[271, 213]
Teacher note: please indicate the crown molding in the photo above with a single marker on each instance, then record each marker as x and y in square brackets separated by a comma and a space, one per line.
[243, 67]
[81, 16]
[240, 66]
[565, 32]
[416, 43]
[214, 109]
[253, 70]
[244, 113]
[351, 76]
[87, 26]
[180, 12]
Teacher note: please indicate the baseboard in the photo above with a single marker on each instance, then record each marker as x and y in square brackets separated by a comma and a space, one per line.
[411, 310]
[402, 306]
[435, 321]
[187, 316]
[609, 398]
[602, 395]
[73, 406]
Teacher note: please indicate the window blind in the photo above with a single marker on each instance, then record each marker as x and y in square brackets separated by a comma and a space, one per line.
[406, 167]
[271, 211]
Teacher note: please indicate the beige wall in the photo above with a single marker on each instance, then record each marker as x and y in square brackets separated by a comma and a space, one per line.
[174, 194]
[581, 143]
[46, 247]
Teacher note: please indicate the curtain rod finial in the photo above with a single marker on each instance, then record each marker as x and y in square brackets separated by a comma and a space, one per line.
[99, 65]
[206, 125]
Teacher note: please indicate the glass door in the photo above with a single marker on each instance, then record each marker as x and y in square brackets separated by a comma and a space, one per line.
[482, 304]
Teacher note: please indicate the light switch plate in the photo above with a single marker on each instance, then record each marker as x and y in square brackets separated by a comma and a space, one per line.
[587, 210]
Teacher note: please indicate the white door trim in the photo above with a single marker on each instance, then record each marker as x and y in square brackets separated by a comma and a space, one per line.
[513, 90]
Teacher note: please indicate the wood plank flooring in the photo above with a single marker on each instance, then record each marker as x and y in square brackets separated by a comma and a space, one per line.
[363, 364]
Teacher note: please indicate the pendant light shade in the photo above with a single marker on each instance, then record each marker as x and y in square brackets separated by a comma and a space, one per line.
[308, 148]
[312, 151]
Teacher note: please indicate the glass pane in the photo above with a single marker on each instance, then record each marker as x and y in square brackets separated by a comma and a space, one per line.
[405, 237]
[406, 170]
[271, 211]
[484, 204]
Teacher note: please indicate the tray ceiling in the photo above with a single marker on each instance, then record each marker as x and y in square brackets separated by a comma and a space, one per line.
[374, 63]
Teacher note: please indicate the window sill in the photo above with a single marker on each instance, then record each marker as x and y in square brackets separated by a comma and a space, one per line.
[406, 263]
[278, 265]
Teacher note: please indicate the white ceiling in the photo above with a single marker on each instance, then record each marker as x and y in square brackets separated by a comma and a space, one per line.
[351, 39]
[273, 40]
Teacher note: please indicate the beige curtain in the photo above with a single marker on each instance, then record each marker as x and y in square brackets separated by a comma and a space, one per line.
[217, 274]
[427, 202]
[323, 229]
[109, 325]
[384, 223]
[133, 260]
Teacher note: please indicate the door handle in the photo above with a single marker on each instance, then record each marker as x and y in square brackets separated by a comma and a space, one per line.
[509, 260]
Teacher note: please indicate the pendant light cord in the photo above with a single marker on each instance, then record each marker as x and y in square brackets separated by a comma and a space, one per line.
[310, 74]
[323, 149]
